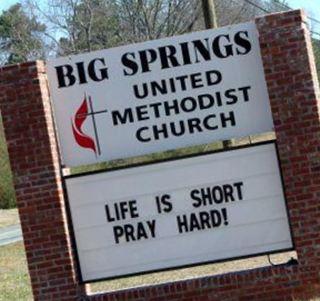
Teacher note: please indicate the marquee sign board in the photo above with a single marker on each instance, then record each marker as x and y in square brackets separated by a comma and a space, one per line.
[178, 213]
[159, 95]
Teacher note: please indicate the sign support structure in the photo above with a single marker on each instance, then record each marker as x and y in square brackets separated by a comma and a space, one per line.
[34, 157]
[211, 22]
[209, 14]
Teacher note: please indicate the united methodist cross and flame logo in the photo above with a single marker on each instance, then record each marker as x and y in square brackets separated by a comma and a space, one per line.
[82, 114]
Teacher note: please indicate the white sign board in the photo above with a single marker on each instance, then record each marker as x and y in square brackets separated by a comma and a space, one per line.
[178, 213]
[159, 95]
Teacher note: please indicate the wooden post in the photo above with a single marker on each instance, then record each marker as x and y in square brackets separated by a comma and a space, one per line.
[209, 13]
[210, 20]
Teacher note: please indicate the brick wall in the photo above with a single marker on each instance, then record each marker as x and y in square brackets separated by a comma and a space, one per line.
[26, 112]
[295, 101]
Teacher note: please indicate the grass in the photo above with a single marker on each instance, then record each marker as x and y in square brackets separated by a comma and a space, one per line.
[14, 277]
[194, 272]
[9, 217]
[15, 282]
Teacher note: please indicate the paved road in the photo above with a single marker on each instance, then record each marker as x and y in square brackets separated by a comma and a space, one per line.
[9, 235]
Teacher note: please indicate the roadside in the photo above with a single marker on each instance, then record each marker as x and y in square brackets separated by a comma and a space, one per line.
[10, 234]
[9, 217]
[10, 230]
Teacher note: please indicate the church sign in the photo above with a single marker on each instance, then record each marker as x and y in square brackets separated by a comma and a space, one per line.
[178, 213]
[159, 95]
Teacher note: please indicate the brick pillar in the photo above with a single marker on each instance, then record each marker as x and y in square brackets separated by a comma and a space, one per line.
[295, 101]
[32, 146]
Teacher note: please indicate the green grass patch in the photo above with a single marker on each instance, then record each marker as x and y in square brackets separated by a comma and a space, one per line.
[14, 277]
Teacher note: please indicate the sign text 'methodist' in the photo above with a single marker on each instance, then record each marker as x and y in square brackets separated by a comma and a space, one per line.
[207, 214]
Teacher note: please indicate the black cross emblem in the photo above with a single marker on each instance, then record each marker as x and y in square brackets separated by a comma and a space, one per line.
[92, 113]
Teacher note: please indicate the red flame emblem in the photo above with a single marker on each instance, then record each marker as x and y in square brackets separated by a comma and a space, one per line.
[80, 117]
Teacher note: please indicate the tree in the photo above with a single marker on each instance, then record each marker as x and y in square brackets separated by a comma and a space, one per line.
[7, 195]
[78, 25]
[20, 36]
[316, 49]
[85, 25]
[141, 20]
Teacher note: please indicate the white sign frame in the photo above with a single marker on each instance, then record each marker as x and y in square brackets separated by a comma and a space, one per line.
[183, 160]
[101, 136]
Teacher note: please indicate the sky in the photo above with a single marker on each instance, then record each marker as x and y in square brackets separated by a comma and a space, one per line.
[4, 4]
[312, 7]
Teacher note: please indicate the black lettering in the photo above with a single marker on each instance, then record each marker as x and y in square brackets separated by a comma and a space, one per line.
[127, 116]
[194, 223]
[162, 129]
[141, 94]
[239, 186]
[63, 73]
[152, 227]
[81, 73]
[159, 88]
[163, 203]
[147, 57]
[202, 49]
[117, 232]
[194, 123]
[217, 194]
[108, 214]
[214, 77]
[173, 107]
[215, 218]
[174, 128]
[167, 57]
[206, 196]
[191, 101]
[217, 47]
[242, 39]
[245, 91]
[206, 122]
[231, 119]
[194, 194]
[228, 193]
[139, 135]
[232, 98]
[196, 80]
[129, 232]
[182, 80]
[204, 220]
[133, 209]
[130, 64]
[93, 72]
[155, 106]
[182, 223]
[185, 53]
[203, 104]
[142, 113]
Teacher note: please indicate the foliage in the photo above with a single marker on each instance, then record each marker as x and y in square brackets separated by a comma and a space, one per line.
[316, 49]
[90, 25]
[20, 38]
[7, 195]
